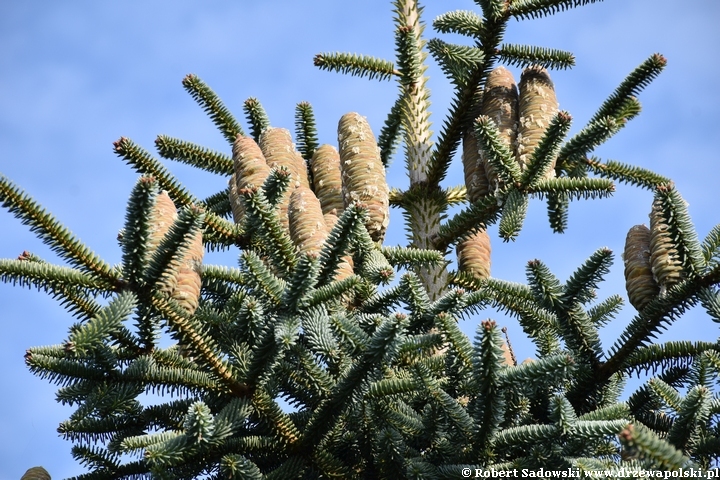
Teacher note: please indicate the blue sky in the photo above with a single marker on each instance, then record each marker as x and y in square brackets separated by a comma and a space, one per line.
[78, 75]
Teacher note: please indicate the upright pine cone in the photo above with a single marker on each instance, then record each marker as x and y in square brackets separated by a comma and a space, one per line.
[500, 103]
[639, 282]
[473, 254]
[36, 473]
[363, 174]
[665, 259]
[185, 286]
[279, 150]
[327, 179]
[250, 169]
[307, 225]
[188, 283]
[162, 216]
[476, 181]
[538, 105]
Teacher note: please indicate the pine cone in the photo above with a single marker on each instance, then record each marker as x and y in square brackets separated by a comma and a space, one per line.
[665, 259]
[327, 179]
[307, 225]
[162, 216]
[187, 286]
[500, 103]
[250, 169]
[363, 174]
[639, 282]
[476, 181]
[279, 151]
[473, 254]
[538, 105]
[36, 473]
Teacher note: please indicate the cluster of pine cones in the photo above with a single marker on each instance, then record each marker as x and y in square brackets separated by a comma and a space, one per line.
[521, 118]
[354, 174]
[652, 261]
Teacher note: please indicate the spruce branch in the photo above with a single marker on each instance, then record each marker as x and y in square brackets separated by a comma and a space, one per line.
[542, 8]
[218, 204]
[192, 154]
[557, 208]
[55, 235]
[586, 140]
[630, 87]
[199, 343]
[455, 60]
[356, 65]
[256, 117]
[493, 10]
[678, 354]
[673, 208]
[513, 215]
[75, 290]
[621, 172]
[574, 188]
[654, 451]
[464, 22]
[581, 285]
[544, 155]
[213, 106]
[306, 135]
[498, 152]
[390, 132]
[526, 55]
[145, 164]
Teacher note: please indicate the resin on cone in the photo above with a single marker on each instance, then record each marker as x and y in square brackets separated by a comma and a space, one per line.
[363, 173]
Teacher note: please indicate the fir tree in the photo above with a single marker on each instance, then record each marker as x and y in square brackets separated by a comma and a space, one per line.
[358, 338]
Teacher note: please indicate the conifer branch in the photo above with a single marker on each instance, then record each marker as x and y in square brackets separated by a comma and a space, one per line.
[55, 235]
[74, 289]
[513, 215]
[656, 453]
[256, 117]
[498, 152]
[544, 155]
[306, 131]
[356, 65]
[390, 132]
[526, 55]
[574, 188]
[455, 60]
[192, 154]
[542, 8]
[621, 172]
[633, 84]
[145, 164]
[218, 204]
[464, 22]
[200, 344]
[213, 106]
